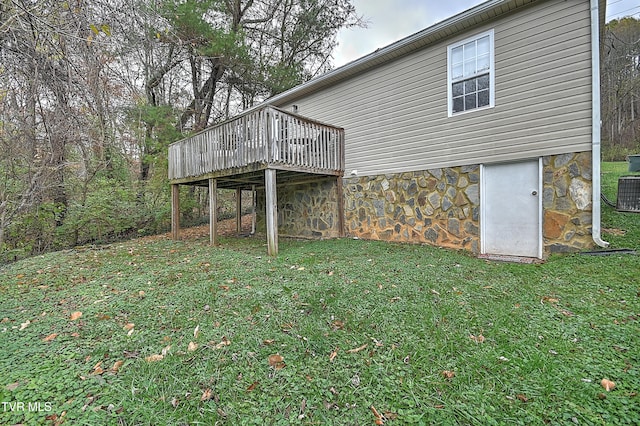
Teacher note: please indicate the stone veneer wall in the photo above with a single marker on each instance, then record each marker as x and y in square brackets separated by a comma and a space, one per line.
[567, 202]
[439, 207]
[308, 210]
[442, 206]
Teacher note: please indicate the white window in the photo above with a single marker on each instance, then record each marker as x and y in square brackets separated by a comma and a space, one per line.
[470, 74]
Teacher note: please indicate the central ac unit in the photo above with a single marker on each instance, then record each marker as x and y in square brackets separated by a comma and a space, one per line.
[628, 194]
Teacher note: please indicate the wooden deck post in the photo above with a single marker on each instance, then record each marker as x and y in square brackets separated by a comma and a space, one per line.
[238, 211]
[213, 211]
[271, 211]
[253, 209]
[175, 211]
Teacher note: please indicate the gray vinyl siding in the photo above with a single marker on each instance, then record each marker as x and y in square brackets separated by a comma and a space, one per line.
[395, 115]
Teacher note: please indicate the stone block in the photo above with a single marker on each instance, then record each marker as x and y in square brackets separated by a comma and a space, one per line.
[431, 184]
[446, 204]
[452, 176]
[473, 193]
[453, 226]
[436, 173]
[562, 160]
[580, 193]
[460, 200]
[435, 200]
[554, 224]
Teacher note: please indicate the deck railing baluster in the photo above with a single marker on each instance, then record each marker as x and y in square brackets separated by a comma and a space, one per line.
[267, 135]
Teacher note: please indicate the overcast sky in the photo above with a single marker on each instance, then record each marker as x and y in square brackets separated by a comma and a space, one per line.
[391, 20]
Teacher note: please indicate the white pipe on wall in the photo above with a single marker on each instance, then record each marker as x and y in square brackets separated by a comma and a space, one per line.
[595, 124]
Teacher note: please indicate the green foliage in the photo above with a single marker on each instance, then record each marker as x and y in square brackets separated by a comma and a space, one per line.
[110, 211]
[32, 232]
[617, 152]
[281, 77]
[161, 119]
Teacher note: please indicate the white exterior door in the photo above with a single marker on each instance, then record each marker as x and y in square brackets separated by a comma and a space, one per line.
[511, 209]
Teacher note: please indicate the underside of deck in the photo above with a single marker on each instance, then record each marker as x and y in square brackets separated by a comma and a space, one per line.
[247, 177]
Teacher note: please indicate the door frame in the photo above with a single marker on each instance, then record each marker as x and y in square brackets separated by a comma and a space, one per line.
[483, 203]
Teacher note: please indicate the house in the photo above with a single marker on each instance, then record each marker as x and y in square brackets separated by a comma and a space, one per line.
[481, 132]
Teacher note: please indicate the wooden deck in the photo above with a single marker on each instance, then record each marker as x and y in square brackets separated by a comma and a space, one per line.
[258, 149]
[268, 138]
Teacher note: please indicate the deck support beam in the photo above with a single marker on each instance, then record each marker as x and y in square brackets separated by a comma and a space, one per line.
[271, 212]
[238, 211]
[213, 211]
[253, 209]
[175, 211]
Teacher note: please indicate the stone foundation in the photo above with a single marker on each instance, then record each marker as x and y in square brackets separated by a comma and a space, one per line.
[308, 210]
[567, 202]
[439, 207]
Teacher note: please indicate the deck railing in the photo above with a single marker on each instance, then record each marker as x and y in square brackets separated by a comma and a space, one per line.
[267, 136]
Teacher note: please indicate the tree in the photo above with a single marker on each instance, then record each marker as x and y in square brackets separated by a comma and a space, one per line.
[56, 124]
[92, 92]
[621, 84]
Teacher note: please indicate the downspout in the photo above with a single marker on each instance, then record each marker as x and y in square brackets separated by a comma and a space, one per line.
[595, 124]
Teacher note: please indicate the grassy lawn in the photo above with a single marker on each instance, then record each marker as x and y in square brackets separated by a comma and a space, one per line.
[160, 332]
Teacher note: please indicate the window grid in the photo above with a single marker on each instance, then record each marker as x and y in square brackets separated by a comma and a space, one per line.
[470, 74]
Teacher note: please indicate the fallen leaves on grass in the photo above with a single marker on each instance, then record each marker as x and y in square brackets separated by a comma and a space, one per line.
[196, 331]
[478, 339]
[554, 302]
[223, 342]
[97, 369]
[608, 384]
[333, 355]
[378, 420]
[253, 386]
[154, 358]
[12, 386]
[24, 325]
[448, 374]
[337, 325]
[50, 337]
[166, 350]
[192, 346]
[55, 419]
[75, 315]
[206, 395]
[129, 328]
[276, 361]
[358, 349]
[116, 366]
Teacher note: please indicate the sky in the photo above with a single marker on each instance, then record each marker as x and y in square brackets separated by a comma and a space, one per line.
[390, 20]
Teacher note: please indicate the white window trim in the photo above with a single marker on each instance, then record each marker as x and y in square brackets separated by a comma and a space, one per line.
[492, 84]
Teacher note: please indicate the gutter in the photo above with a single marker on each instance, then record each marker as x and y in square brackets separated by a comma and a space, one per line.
[595, 124]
